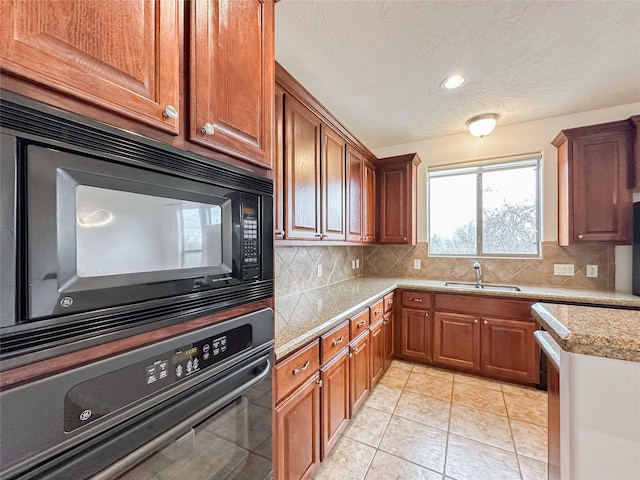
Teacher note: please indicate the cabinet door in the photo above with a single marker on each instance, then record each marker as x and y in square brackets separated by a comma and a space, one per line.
[297, 425]
[119, 56]
[415, 335]
[359, 370]
[376, 355]
[601, 202]
[278, 166]
[509, 349]
[456, 340]
[369, 202]
[302, 171]
[333, 184]
[355, 165]
[232, 77]
[388, 328]
[395, 209]
[335, 400]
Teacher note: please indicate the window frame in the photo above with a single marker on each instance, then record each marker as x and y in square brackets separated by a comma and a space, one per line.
[478, 168]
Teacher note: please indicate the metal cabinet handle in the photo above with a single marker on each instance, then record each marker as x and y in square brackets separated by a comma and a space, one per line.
[475, 320]
[208, 129]
[417, 300]
[301, 369]
[361, 323]
[338, 341]
[378, 311]
[580, 236]
[170, 112]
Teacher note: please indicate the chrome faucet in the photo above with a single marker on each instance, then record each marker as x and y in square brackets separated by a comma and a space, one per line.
[478, 269]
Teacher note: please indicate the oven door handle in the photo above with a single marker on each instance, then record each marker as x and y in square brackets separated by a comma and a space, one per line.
[174, 433]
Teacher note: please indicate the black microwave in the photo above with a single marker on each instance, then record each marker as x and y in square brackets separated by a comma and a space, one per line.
[105, 232]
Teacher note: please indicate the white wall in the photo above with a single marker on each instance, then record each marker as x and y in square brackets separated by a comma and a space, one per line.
[507, 140]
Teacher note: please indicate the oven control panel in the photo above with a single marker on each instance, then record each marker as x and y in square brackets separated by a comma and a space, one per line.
[95, 398]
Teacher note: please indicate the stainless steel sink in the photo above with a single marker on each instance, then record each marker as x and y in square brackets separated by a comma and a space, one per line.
[483, 286]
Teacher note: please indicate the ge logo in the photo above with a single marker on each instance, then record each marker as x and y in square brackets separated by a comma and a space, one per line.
[66, 302]
[86, 415]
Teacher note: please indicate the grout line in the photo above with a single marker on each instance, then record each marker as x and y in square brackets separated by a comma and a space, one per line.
[513, 438]
[446, 446]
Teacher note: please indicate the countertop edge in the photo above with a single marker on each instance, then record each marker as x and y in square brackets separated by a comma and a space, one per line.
[549, 346]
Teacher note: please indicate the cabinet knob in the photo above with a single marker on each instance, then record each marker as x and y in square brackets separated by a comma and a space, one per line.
[580, 236]
[319, 383]
[485, 322]
[302, 368]
[404, 239]
[208, 129]
[475, 320]
[349, 354]
[279, 233]
[355, 350]
[324, 235]
[378, 311]
[170, 112]
[318, 235]
[390, 302]
[384, 322]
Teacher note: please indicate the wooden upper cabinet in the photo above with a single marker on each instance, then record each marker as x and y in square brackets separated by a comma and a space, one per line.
[278, 166]
[120, 56]
[355, 166]
[302, 171]
[634, 166]
[232, 77]
[333, 175]
[369, 202]
[397, 199]
[594, 203]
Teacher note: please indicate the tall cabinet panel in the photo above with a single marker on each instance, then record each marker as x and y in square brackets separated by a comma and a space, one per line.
[232, 77]
[333, 185]
[369, 203]
[355, 165]
[122, 57]
[302, 171]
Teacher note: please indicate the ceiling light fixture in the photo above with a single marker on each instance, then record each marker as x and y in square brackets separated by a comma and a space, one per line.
[452, 82]
[482, 125]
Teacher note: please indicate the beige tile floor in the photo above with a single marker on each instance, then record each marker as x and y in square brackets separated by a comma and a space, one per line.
[424, 423]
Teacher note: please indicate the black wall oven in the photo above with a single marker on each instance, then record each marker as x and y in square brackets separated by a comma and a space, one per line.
[198, 405]
[106, 234]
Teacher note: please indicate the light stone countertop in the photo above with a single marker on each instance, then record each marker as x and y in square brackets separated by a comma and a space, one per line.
[301, 317]
[597, 331]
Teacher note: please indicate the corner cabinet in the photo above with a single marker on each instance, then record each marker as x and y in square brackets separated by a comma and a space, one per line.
[112, 55]
[232, 76]
[397, 194]
[361, 197]
[594, 202]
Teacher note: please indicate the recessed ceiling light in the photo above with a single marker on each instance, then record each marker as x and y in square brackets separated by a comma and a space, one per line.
[452, 82]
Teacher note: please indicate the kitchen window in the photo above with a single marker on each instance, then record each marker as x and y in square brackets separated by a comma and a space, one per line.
[489, 209]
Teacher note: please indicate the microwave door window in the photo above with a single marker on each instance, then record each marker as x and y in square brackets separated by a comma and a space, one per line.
[200, 235]
[120, 232]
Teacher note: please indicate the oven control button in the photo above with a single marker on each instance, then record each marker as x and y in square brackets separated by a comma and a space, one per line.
[216, 351]
[206, 356]
[189, 366]
[151, 375]
[205, 348]
[85, 415]
[179, 371]
[196, 363]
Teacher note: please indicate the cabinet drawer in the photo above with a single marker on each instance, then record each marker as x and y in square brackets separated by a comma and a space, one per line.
[293, 371]
[388, 302]
[377, 309]
[332, 342]
[359, 323]
[416, 299]
[480, 306]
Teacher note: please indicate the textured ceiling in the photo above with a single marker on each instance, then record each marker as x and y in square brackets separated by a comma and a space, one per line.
[378, 64]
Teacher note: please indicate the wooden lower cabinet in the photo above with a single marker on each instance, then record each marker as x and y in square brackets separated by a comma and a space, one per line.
[297, 430]
[334, 392]
[387, 334]
[376, 355]
[509, 350]
[359, 367]
[415, 335]
[553, 388]
[456, 340]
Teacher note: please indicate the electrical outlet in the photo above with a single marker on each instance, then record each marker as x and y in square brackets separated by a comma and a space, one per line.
[592, 271]
[564, 269]
[417, 264]
[353, 264]
[357, 263]
[319, 270]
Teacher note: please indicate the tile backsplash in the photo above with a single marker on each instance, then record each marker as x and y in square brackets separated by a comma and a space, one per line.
[397, 261]
[296, 268]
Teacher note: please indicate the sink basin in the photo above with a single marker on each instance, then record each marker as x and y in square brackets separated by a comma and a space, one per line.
[483, 286]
